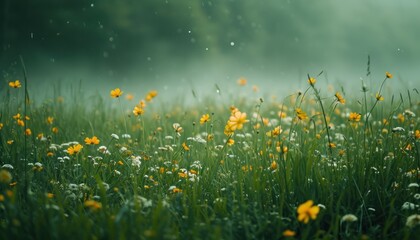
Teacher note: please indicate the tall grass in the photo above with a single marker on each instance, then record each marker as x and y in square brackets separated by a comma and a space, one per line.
[161, 182]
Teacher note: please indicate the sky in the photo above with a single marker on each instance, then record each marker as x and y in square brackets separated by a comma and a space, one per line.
[182, 46]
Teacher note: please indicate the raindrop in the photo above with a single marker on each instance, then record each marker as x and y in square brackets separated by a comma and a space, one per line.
[189, 31]
[92, 5]
[207, 48]
[32, 35]
[149, 59]
[111, 39]
[232, 44]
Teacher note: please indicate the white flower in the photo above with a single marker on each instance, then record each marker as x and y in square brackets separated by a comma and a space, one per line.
[413, 220]
[171, 188]
[413, 185]
[38, 164]
[126, 136]
[398, 129]
[117, 172]
[348, 218]
[409, 113]
[8, 166]
[409, 206]
[115, 136]
[417, 196]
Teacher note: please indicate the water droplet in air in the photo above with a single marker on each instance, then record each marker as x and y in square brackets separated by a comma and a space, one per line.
[111, 39]
[189, 31]
[207, 48]
[232, 44]
[92, 5]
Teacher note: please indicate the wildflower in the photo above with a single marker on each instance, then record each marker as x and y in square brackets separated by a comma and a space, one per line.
[8, 166]
[301, 114]
[413, 185]
[311, 81]
[355, 117]
[401, 118]
[116, 93]
[129, 97]
[5, 176]
[1, 198]
[242, 81]
[15, 84]
[177, 127]
[273, 166]
[348, 218]
[398, 129]
[332, 145]
[74, 149]
[413, 220]
[138, 111]
[10, 142]
[50, 154]
[115, 136]
[185, 146]
[20, 123]
[417, 134]
[230, 142]
[49, 195]
[237, 120]
[388, 75]
[205, 118]
[28, 132]
[54, 130]
[1, 126]
[275, 132]
[93, 205]
[50, 120]
[379, 97]
[339, 98]
[306, 211]
[92, 141]
[126, 136]
[289, 233]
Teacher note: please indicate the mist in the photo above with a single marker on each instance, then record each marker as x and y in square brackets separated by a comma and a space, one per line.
[180, 47]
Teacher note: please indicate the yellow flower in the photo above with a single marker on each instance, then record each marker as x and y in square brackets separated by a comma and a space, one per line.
[230, 142]
[332, 145]
[311, 81]
[400, 118]
[379, 97]
[49, 195]
[205, 118]
[340, 98]
[417, 134]
[129, 97]
[242, 81]
[10, 142]
[138, 111]
[15, 84]
[307, 211]
[20, 123]
[116, 93]
[92, 141]
[93, 205]
[301, 114]
[289, 233]
[50, 120]
[355, 117]
[74, 149]
[54, 130]
[176, 190]
[388, 75]
[237, 120]
[150, 95]
[273, 165]
[28, 132]
[275, 132]
[185, 146]
[5, 176]
[1, 126]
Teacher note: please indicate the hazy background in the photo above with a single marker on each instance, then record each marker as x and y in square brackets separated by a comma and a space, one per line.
[178, 45]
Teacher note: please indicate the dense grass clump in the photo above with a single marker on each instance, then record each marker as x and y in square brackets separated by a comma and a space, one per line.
[314, 165]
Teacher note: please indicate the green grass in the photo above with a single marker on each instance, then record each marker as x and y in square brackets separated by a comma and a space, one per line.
[150, 187]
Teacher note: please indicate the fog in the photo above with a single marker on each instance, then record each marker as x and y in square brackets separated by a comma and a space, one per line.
[178, 47]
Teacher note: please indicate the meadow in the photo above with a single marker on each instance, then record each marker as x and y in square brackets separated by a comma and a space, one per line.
[317, 164]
